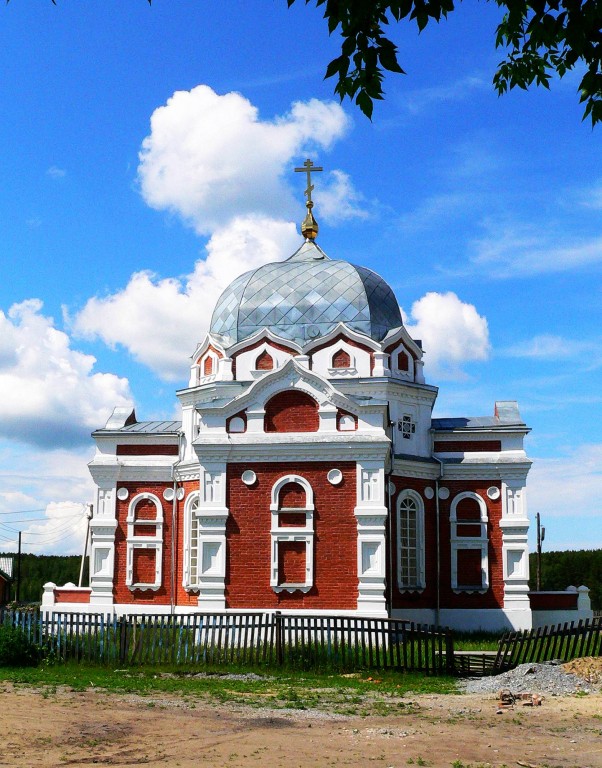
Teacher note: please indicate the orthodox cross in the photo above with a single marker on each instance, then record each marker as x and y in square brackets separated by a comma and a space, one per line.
[307, 168]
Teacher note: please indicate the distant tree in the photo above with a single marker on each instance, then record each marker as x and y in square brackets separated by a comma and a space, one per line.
[573, 567]
[36, 570]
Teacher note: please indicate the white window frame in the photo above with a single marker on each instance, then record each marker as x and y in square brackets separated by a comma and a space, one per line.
[192, 542]
[480, 542]
[303, 533]
[410, 373]
[135, 542]
[419, 545]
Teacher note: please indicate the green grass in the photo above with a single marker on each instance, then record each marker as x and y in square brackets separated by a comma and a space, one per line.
[476, 641]
[362, 693]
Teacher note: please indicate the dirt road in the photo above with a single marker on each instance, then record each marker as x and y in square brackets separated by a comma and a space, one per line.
[69, 728]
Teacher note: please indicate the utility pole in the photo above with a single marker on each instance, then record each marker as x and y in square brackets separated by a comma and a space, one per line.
[541, 534]
[81, 569]
[18, 588]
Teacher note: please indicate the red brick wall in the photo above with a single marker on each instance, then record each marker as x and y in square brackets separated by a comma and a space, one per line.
[144, 566]
[291, 562]
[291, 411]
[62, 595]
[121, 593]
[249, 541]
[553, 601]
[469, 568]
[147, 450]
[466, 446]
[494, 597]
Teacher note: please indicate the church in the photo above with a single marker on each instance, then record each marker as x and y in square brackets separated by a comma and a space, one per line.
[307, 473]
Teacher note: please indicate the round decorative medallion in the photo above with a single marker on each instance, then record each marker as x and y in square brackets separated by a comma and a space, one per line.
[493, 493]
[391, 488]
[444, 493]
[168, 494]
[334, 476]
[249, 477]
[429, 493]
[180, 494]
[122, 494]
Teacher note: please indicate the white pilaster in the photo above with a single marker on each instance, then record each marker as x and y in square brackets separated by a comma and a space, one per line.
[212, 514]
[102, 536]
[515, 552]
[371, 516]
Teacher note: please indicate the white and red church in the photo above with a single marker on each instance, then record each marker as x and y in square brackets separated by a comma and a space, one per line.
[307, 473]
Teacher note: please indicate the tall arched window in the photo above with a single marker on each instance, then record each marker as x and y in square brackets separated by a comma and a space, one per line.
[469, 543]
[292, 533]
[191, 543]
[410, 541]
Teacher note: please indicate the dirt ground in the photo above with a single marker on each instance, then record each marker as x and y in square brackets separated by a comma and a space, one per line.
[70, 728]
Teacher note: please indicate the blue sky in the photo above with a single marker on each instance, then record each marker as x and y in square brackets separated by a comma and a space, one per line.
[483, 213]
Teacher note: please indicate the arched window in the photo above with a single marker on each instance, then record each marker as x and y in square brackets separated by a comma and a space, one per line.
[144, 542]
[292, 533]
[208, 366]
[265, 362]
[341, 359]
[403, 362]
[191, 543]
[410, 541]
[469, 543]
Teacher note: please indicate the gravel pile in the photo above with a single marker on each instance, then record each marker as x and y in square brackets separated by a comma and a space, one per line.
[549, 678]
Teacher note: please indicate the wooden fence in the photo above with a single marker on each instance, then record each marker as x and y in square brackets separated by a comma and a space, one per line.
[250, 638]
[558, 641]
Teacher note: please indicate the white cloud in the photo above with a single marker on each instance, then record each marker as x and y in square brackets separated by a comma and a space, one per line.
[418, 100]
[47, 505]
[209, 156]
[49, 394]
[452, 331]
[551, 347]
[56, 173]
[514, 250]
[159, 321]
[569, 486]
[338, 200]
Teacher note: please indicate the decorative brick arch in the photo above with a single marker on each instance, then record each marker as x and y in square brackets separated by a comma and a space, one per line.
[341, 359]
[291, 411]
[279, 485]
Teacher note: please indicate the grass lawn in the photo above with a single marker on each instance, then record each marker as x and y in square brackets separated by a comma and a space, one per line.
[360, 693]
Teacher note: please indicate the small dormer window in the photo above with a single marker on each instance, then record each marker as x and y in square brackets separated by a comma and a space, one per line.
[207, 366]
[406, 426]
[265, 362]
[403, 362]
[341, 359]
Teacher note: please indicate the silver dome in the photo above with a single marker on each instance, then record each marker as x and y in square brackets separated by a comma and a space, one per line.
[304, 298]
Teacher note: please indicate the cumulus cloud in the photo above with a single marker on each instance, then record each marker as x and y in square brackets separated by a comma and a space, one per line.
[209, 155]
[49, 394]
[452, 331]
[159, 321]
[339, 200]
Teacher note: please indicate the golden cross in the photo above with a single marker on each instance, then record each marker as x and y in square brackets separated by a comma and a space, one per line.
[307, 168]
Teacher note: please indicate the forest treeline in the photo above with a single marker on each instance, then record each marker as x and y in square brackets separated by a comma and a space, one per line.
[558, 571]
[571, 567]
[36, 570]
